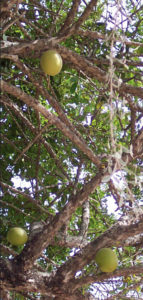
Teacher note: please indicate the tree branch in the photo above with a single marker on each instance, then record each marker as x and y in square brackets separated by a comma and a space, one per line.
[26, 122]
[79, 63]
[29, 198]
[114, 236]
[7, 5]
[34, 247]
[53, 119]
[70, 17]
[73, 29]
[102, 277]
[85, 219]
[97, 35]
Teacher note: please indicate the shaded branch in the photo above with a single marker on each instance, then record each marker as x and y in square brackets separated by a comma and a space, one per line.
[7, 251]
[114, 236]
[26, 122]
[85, 219]
[34, 247]
[97, 35]
[70, 17]
[53, 119]
[79, 62]
[3, 203]
[73, 29]
[31, 143]
[26, 196]
[138, 144]
[7, 5]
[102, 277]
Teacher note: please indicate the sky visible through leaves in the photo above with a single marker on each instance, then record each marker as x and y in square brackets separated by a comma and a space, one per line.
[72, 148]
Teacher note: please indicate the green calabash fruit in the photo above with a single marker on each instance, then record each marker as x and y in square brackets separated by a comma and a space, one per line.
[17, 236]
[51, 62]
[106, 259]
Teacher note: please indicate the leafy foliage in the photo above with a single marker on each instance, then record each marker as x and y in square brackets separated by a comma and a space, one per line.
[71, 148]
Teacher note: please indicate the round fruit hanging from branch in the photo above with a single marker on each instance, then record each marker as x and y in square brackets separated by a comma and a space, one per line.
[17, 236]
[106, 259]
[51, 62]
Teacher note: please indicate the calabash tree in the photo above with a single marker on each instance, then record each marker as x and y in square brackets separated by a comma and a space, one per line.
[71, 149]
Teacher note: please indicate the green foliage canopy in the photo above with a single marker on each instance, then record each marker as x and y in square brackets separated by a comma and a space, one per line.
[71, 148]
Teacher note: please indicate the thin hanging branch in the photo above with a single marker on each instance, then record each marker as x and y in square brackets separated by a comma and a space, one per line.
[31, 143]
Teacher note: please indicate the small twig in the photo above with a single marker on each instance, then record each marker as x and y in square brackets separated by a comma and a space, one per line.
[85, 219]
[26, 122]
[37, 158]
[31, 143]
[133, 124]
[6, 250]
[29, 198]
[16, 209]
[11, 22]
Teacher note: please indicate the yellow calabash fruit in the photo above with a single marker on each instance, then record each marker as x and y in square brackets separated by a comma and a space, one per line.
[51, 62]
[106, 259]
[17, 236]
